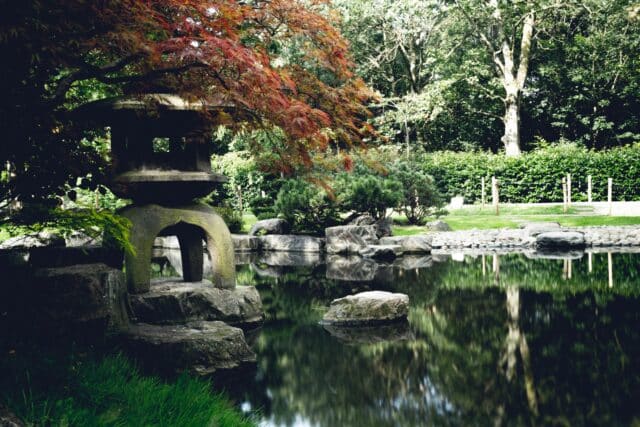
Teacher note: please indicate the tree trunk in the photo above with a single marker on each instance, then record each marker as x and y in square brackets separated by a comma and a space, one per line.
[511, 137]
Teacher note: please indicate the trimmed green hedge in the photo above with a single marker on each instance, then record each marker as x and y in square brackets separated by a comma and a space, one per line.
[537, 176]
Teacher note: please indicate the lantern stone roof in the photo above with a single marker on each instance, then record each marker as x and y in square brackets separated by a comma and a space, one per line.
[164, 101]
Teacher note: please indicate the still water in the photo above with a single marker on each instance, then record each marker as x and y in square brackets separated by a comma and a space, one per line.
[490, 340]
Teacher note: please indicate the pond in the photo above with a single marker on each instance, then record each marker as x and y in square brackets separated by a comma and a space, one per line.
[491, 339]
[494, 339]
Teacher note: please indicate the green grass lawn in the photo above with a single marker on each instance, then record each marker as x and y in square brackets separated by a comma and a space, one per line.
[512, 216]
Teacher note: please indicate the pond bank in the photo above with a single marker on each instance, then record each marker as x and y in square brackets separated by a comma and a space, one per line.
[531, 236]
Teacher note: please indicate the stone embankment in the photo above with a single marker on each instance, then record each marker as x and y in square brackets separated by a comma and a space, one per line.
[362, 241]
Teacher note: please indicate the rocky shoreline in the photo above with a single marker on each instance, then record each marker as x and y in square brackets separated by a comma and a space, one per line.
[357, 240]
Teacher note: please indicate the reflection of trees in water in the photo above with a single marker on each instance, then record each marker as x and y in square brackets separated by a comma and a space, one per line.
[578, 363]
[487, 350]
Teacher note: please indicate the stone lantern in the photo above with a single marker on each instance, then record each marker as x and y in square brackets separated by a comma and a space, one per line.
[161, 160]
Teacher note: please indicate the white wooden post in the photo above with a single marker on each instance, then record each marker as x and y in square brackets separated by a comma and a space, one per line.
[610, 194]
[589, 188]
[590, 258]
[495, 194]
[483, 193]
[568, 190]
[564, 195]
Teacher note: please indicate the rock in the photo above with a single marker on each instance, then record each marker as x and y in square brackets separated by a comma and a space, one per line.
[170, 301]
[560, 239]
[199, 348]
[245, 243]
[534, 228]
[383, 226]
[348, 239]
[81, 239]
[367, 308]
[270, 226]
[357, 335]
[291, 243]
[410, 244]
[289, 259]
[8, 419]
[365, 219]
[36, 240]
[381, 252]
[351, 269]
[438, 225]
[91, 295]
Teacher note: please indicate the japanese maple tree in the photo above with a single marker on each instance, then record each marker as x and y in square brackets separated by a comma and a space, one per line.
[280, 61]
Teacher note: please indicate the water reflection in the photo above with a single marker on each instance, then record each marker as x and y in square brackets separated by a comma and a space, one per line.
[494, 339]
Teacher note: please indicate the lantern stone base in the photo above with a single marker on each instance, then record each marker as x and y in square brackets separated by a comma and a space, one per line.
[191, 224]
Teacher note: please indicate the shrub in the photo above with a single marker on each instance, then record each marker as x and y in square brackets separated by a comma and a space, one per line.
[369, 193]
[306, 207]
[420, 196]
[232, 216]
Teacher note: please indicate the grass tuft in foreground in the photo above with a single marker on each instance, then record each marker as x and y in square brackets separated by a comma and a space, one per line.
[109, 392]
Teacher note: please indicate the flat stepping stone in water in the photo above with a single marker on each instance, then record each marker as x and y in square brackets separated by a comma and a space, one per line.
[199, 348]
[172, 301]
[367, 308]
[560, 239]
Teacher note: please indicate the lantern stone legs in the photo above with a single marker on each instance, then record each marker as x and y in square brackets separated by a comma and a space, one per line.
[191, 224]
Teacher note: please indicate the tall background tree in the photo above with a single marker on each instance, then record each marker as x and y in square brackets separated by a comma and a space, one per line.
[498, 74]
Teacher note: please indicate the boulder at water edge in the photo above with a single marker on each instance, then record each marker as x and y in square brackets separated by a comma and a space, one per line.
[199, 348]
[410, 244]
[350, 239]
[381, 252]
[560, 239]
[438, 225]
[367, 308]
[172, 301]
[270, 226]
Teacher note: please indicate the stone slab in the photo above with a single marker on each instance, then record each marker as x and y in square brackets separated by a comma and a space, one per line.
[367, 308]
[171, 301]
[291, 243]
[350, 239]
[560, 239]
[381, 252]
[245, 243]
[199, 348]
[410, 244]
